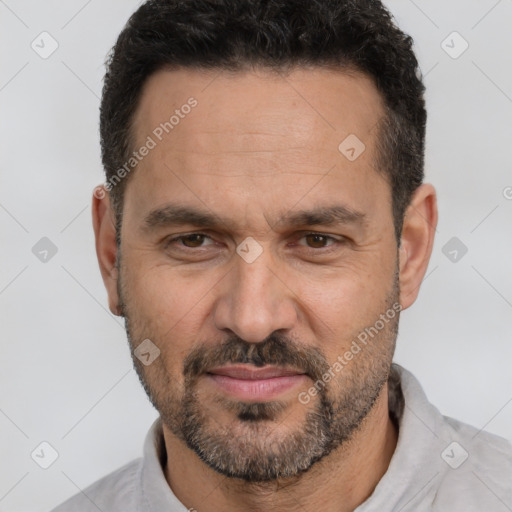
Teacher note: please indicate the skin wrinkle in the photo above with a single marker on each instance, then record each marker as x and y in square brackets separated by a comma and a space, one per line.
[293, 306]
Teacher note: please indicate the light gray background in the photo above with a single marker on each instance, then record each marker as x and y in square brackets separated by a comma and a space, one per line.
[66, 375]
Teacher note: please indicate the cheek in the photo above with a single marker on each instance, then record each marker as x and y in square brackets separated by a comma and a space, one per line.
[344, 300]
[167, 304]
[340, 309]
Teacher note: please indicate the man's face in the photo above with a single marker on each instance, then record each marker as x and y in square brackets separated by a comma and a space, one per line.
[258, 157]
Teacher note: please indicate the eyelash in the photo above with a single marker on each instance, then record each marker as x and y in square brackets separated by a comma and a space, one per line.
[328, 238]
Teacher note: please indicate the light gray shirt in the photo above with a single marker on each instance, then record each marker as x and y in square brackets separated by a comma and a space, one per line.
[439, 464]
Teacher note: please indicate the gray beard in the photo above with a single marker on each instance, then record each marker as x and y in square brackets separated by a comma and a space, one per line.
[256, 456]
[248, 448]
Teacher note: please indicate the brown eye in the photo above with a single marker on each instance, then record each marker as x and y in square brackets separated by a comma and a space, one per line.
[317, 241]
[194, 240]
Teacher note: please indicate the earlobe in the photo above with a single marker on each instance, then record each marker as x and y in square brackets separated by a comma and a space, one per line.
[106, 246]
[418, 231]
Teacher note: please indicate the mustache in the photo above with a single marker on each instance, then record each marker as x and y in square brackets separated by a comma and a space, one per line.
[276, 350]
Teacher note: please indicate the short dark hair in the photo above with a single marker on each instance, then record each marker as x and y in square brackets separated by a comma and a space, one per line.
[278, 35]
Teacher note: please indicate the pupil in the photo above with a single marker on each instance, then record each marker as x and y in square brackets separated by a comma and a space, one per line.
[193, 240]
[317, 240]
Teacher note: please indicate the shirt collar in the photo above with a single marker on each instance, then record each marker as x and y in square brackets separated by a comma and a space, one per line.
[155, 493]
[416, 462]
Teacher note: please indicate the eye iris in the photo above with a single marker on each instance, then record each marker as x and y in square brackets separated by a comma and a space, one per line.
[316, 241]
[193, 240]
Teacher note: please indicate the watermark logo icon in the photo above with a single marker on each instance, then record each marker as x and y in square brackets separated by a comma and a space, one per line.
[249, 249]
[44, 250]
[454, 455]
[44, 45]
[352, 147]
[44, 455]
[454, 45]
[454, 249]
[146, 352]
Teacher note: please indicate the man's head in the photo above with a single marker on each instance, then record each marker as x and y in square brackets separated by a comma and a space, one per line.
[263, 226]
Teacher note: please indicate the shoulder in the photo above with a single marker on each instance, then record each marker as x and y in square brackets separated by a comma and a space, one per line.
[114, 492]
[450, 462]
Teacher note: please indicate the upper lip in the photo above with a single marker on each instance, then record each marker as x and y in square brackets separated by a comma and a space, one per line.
[253, 373]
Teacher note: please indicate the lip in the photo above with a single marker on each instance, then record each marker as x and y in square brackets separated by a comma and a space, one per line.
[249, 383]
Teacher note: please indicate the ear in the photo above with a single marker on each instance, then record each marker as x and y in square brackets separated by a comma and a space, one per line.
[418, 231]
[103, 221]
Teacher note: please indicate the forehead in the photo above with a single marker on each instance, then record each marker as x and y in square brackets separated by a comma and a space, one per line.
[280, 131]
[311, 101]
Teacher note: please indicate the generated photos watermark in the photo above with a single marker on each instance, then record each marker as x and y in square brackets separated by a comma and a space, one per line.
[152, 141]
[357, 345]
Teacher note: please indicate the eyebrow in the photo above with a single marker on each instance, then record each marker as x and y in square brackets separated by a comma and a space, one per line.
[175, 215]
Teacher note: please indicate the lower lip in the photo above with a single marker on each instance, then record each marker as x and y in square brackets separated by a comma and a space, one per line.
[261, 389]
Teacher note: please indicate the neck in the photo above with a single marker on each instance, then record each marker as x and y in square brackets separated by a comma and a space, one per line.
[339, 482]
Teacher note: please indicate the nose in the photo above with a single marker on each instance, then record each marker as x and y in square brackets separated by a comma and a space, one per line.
[254, 300]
